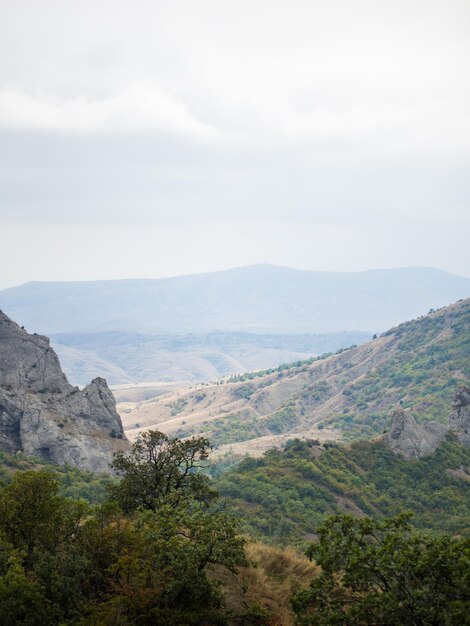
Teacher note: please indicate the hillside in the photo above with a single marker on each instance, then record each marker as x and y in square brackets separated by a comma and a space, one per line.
[418, 364]
[123, 357]
[285, 495]
[257, 299]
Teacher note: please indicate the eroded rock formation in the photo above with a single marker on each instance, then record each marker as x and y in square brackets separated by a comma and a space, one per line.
[459, 419]
[413, 440]
[42, 414]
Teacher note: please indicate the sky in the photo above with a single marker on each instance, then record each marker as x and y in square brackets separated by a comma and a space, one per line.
[149, 138]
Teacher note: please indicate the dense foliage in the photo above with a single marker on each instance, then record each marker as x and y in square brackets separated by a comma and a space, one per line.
[63, 561]
[285, 495]
[160, 547]
[381, 572]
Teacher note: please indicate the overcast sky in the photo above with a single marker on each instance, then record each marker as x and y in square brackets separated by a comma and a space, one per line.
[147, 139]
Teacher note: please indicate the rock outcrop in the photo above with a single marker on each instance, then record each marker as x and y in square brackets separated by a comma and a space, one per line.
[459, 419]
[413, 440]
[42, 414]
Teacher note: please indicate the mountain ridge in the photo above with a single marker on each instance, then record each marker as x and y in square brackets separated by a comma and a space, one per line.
[259, 299]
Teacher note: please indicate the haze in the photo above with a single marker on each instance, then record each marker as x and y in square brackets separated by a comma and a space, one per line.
[152, 139]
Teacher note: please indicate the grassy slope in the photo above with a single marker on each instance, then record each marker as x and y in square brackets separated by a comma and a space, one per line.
[285, 495]
[419, 364]
[431, 360]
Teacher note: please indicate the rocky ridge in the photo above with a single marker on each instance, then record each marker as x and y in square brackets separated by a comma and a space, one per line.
[42, 414]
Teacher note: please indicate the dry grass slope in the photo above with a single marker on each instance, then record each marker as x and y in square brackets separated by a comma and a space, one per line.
[418, 364]
[275, 575]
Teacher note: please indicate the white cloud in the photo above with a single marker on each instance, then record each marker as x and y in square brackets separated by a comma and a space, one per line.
[139, 107]
[267, 72]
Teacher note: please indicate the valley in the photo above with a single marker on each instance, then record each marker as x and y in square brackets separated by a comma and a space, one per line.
[126, 358]
[300, 458]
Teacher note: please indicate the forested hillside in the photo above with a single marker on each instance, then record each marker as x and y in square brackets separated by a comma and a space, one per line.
[258, 593]
[285, 495]
[162, 548]
[81, 549]
[73, 482]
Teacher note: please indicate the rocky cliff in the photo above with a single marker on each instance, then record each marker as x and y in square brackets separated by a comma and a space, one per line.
[42, 414]
[413, 440]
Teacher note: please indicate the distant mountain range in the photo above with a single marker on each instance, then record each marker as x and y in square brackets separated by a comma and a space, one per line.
[255, 299]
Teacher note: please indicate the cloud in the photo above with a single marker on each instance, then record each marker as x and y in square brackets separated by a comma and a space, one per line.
[140, 107]
[260, 74]
[319, 134]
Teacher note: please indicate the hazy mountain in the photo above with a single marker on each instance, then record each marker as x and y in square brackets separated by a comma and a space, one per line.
[418, 364]
[259, 299]
[123, 357]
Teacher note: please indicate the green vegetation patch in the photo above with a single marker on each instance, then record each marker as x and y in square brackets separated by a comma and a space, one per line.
[285, 495]
[73, 482]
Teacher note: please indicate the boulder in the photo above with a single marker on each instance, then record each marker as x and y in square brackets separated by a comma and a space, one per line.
[413, 440]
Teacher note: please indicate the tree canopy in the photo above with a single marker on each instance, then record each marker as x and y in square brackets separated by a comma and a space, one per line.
[144, 559]
[158, 468]
[383, 572]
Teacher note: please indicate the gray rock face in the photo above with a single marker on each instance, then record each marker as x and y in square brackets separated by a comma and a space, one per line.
[42, 414]
[412, 440]
[459, 419]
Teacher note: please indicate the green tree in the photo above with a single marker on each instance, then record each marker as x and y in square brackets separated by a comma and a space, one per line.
[34, 517]
[158, 468]
[382, 572]
[22, 599]
[152, 564]
[64, 562]
[160, 575]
